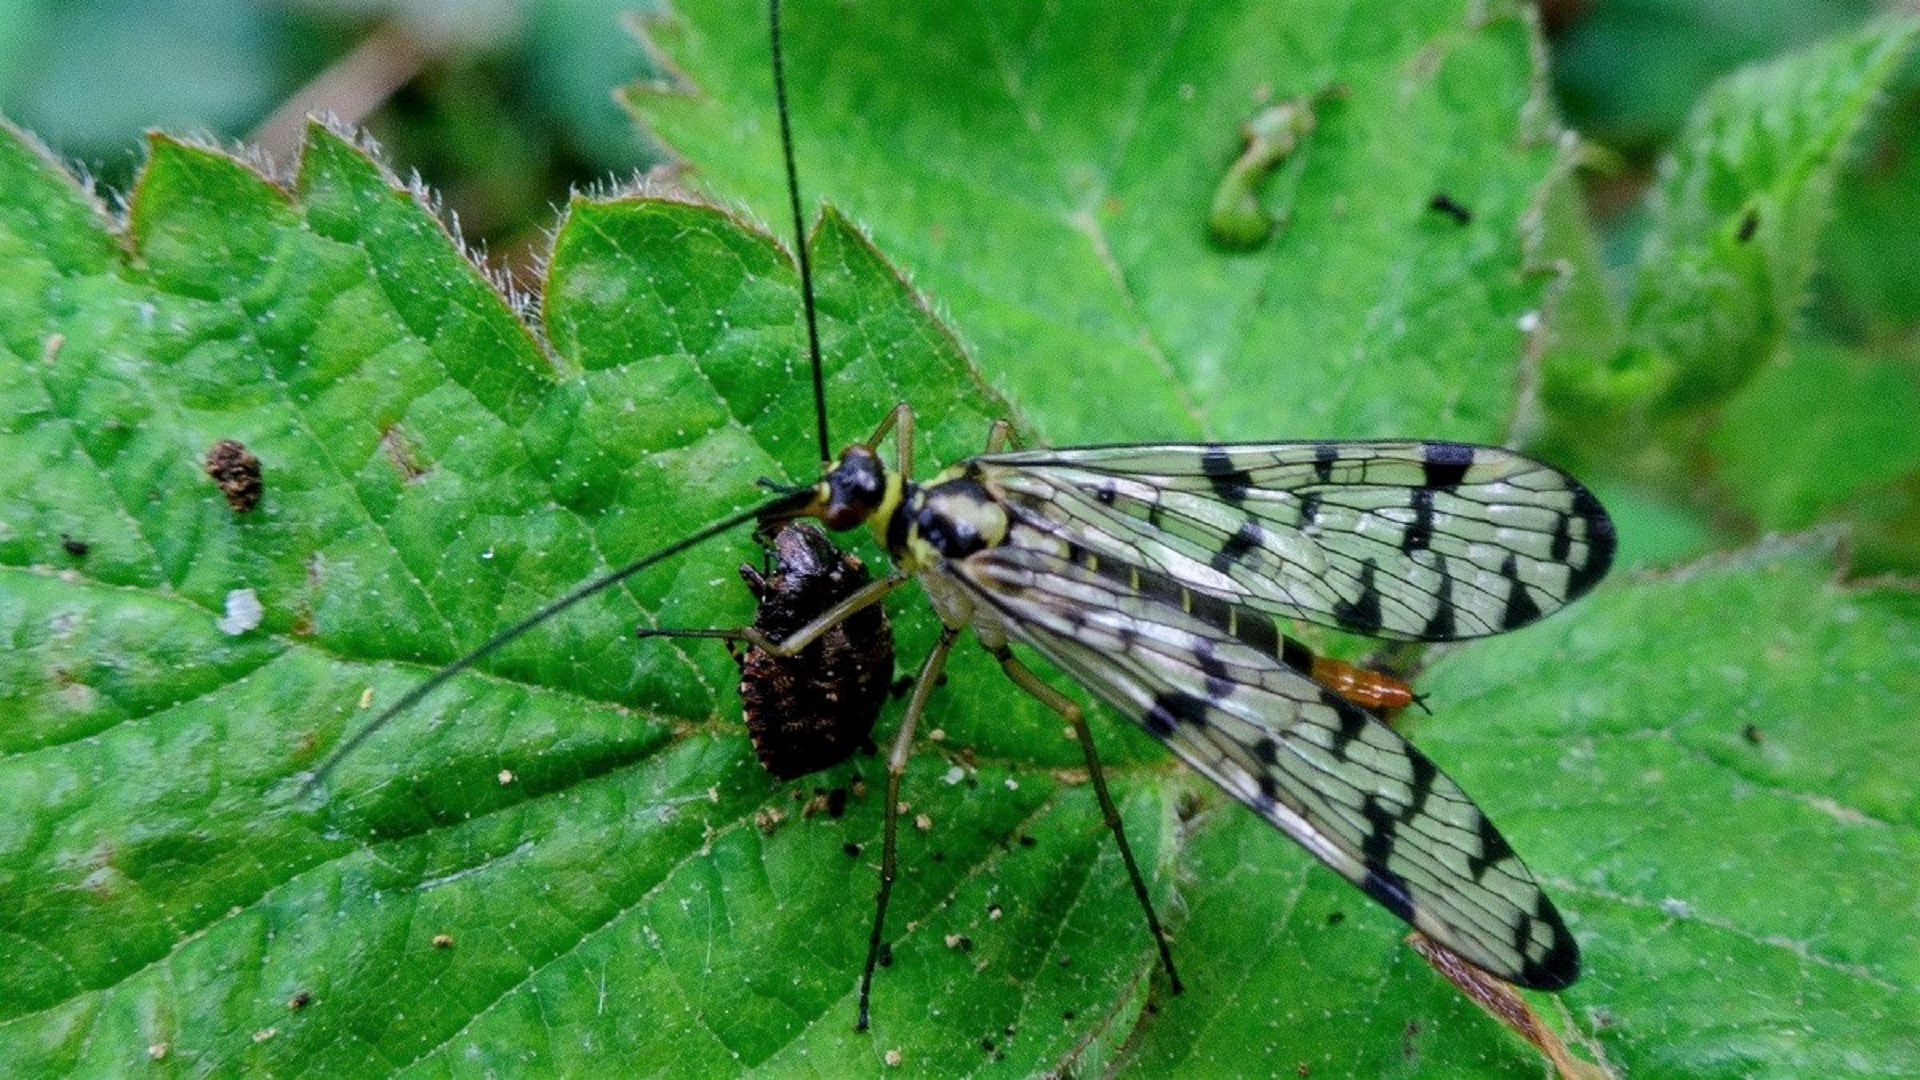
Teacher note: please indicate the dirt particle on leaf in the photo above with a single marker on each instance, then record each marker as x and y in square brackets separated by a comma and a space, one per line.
[393, 442]
[1444, 203]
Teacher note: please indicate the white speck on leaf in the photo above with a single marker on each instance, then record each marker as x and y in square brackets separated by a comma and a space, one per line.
[243, 613]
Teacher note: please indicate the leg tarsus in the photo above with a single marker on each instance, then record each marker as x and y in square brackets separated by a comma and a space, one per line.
[1025, 679]
[896, 765]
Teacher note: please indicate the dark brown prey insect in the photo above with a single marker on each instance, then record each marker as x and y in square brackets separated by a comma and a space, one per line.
[814, 710]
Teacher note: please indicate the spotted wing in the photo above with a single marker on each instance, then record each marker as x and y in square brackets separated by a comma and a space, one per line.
[1426, 541]
[1339, 782]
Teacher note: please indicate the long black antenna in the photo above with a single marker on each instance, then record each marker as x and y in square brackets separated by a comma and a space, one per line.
[799, 233]
[434, 682]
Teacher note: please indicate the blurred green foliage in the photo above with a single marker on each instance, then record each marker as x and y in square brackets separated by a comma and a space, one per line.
[1628, 71]
[509, 105]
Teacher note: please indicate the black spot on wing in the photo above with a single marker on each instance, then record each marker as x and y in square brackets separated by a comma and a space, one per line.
[1170, 709]
[1246, 538]
[1494, 848]
[1440, 625]
[1353, 722]
[1560, 966]
[1324, 455]
[1521, 609]
[1361, 614]
[1425, 772]
[1419, 535]
[1382, 829]
[1446, 463]
[1309, 511]
[1376, 848]
[1269, 793]
[1228, 482]
[1601, 541]
[1219, 685]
